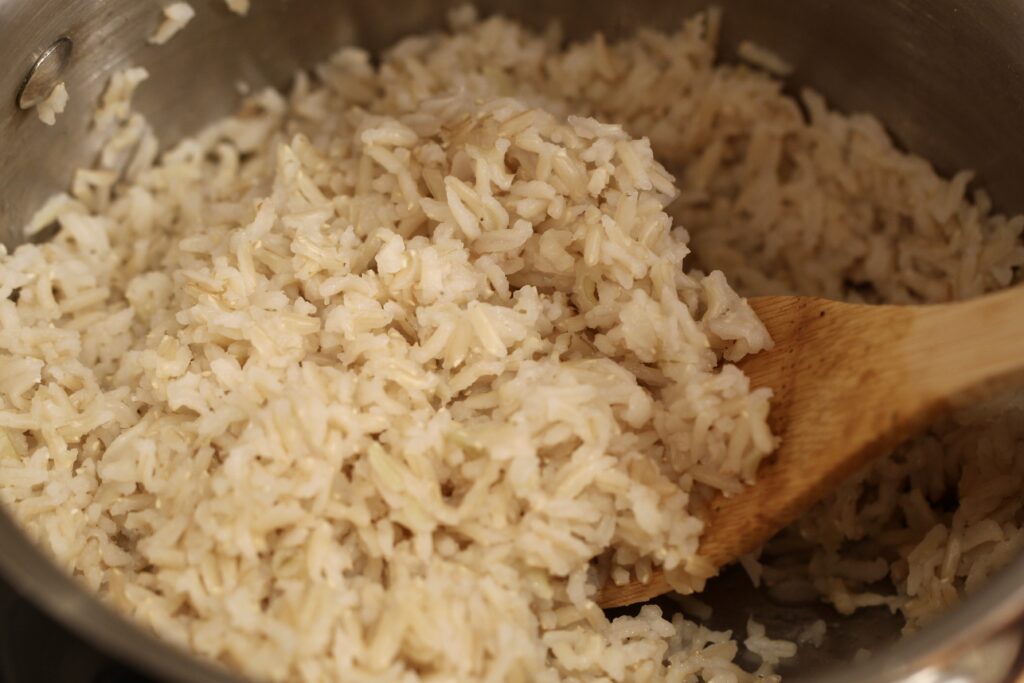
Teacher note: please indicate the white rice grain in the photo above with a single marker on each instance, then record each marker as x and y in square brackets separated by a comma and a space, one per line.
[54, 104]
[176, 16]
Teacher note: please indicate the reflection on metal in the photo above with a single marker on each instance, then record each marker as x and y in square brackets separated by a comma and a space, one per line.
[45, 74]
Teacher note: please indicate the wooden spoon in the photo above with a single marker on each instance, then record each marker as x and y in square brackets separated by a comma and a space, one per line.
[850, 383]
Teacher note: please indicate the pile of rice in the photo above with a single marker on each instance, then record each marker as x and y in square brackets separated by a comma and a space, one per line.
[378, 380]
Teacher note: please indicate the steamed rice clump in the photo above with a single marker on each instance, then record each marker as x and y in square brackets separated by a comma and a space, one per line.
[358, 383]
[361, 383]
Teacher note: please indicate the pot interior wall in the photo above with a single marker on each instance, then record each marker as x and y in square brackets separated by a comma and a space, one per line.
[947, 77]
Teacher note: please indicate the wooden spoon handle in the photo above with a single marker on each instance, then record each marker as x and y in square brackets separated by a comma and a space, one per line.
[857, 381]
[961, 351]
[851, 382]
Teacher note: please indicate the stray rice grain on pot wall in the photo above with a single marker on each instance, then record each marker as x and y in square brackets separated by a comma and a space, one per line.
[54, 104]
[176, 16]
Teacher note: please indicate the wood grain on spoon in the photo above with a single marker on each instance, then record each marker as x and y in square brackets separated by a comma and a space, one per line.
[850, 383]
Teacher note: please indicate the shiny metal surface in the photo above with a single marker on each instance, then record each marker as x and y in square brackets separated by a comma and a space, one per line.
[946, 76]
[194, 77]
[45, 73]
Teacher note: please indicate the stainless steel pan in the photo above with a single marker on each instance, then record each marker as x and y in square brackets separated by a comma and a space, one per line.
[946, 76]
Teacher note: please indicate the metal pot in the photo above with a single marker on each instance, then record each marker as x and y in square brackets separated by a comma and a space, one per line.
[946, 77]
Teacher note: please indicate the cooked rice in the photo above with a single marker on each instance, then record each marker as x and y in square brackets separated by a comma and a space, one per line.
[54, 104]
[770, 651]
[813, 634]
[238, 6]
[359, 382]
[176, 17]
[763, 58]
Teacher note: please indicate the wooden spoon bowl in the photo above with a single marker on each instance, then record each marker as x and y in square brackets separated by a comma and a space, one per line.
[850, 383]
